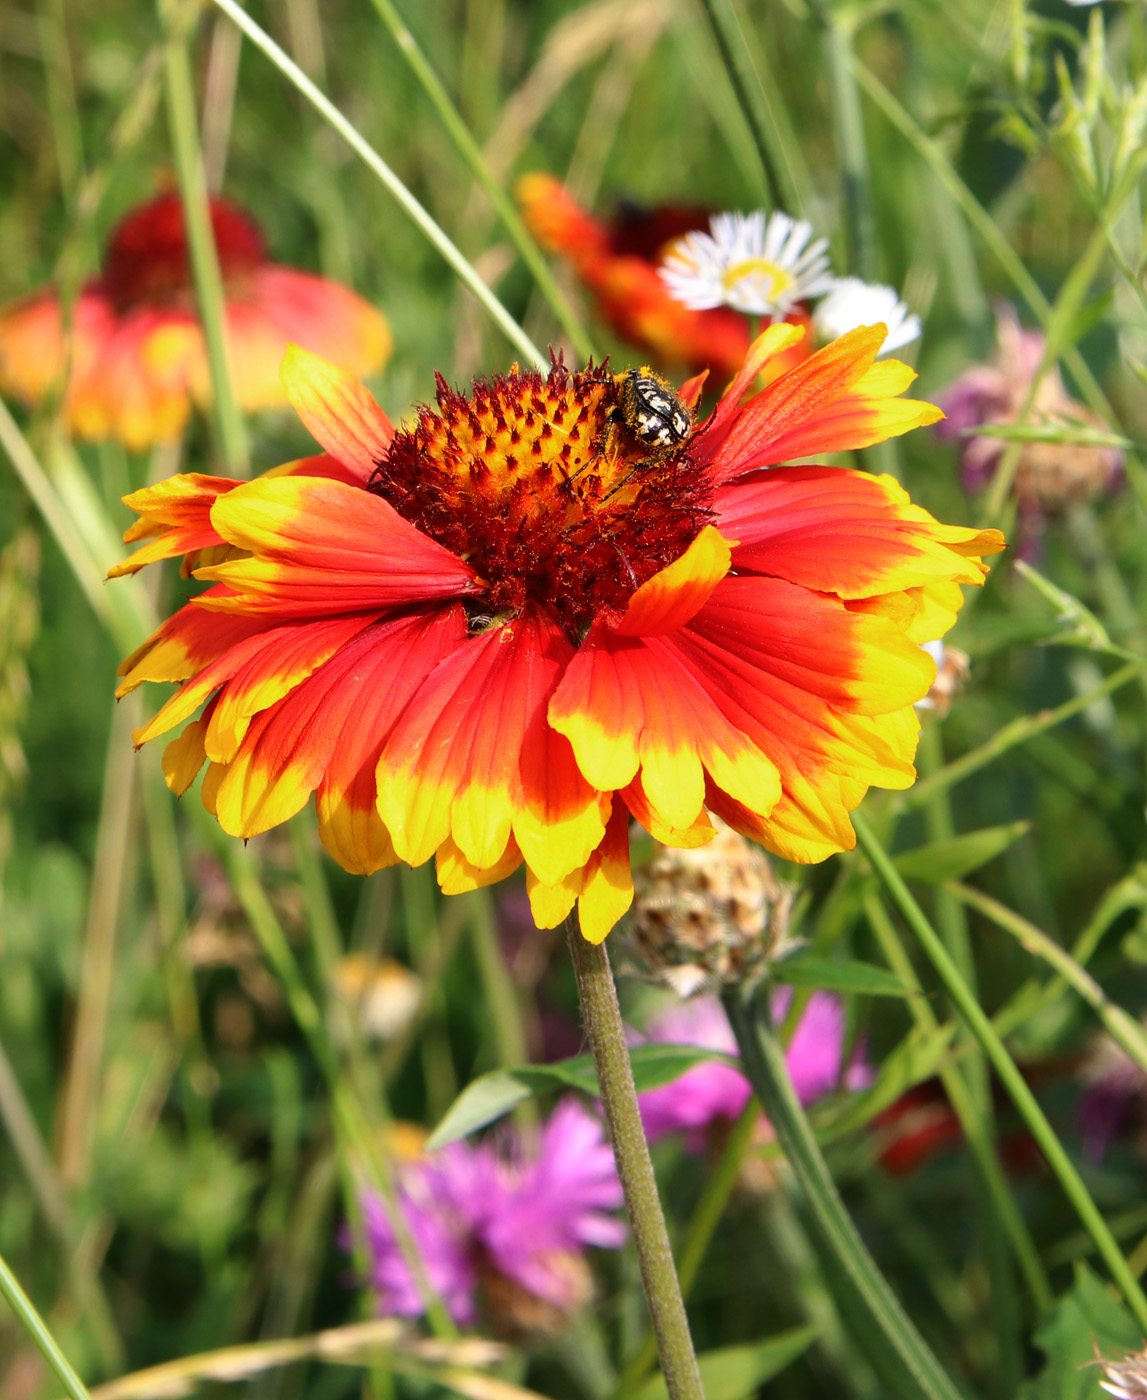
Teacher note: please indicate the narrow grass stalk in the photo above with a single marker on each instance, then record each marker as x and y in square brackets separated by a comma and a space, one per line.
[353, 1128]
[933, 155]
[362, 148]
[1013, 1081]
[763, 1061]
[993, 1203]
[606, 1031]
[48, 1190]
[471, 153]
[780, 186]
[36, 1328]
[209, 292]
[501, 995]
[1015, 733]
[976, 1131]
[1127, 1033]
[851, 150]
[80, 1096]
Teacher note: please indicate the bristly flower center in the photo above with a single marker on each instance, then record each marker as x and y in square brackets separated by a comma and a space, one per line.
[541, 487]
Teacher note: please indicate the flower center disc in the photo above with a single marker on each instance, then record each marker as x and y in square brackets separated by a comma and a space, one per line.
[540, 487]
[765, 279]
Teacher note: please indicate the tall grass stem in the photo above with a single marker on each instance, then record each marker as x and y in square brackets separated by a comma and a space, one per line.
[362, 148]
[36, 1328]
[471, 153]
[1005, 1067]
[209, 290]
[763, 1061]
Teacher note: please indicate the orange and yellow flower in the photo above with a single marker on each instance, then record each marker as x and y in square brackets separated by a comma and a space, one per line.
[497, 636]
[137, 362]
[618, 264]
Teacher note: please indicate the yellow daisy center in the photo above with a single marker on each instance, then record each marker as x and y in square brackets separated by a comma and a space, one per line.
[777, 279]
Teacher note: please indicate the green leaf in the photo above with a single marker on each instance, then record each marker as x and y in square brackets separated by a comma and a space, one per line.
[734, 1373]
[1082, 1320]
[840, 975]
[493, 1095]
[951, 860]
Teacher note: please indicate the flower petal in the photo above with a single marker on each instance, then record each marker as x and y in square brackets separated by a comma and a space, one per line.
[825, 691]
[322, 546]
[330, 727]
[672, 596]
[629, 703]
[254, 673]
[843, 532]
[835, 401]
[607, 888]
[456, 875]
[187, 641]
[338, 411]
[472, 757]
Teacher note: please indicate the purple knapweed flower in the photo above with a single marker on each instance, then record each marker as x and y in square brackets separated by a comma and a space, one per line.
[502, 1231]
[1049, 475]
[712, 1094]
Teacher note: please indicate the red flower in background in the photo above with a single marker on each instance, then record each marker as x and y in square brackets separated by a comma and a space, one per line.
[617, 262]
[495, 636]
[137, 355]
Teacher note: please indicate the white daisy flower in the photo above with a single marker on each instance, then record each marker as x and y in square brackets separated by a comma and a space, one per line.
[851, 303]
[757, 266]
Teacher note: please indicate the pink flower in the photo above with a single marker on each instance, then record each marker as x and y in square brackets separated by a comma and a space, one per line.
[713, 1093]
[499, 1228]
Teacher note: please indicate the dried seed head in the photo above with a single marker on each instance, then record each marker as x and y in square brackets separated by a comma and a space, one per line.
[953, 667]
[705, 917]
[1126, 1379]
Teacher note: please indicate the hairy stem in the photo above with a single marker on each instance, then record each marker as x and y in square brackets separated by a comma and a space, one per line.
[603, 1024]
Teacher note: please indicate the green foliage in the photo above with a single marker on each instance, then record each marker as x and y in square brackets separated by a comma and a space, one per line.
[1085, 1323]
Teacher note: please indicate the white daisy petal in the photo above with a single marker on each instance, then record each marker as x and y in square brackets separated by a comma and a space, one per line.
[758, 266]
[851, 303]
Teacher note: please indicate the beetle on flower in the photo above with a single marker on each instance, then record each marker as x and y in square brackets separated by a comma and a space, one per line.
[491, 639]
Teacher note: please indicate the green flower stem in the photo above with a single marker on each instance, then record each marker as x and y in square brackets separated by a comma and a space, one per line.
[36, 1328]
[466, 271]
[471, 153]
[981, 1027]
[1127, 1033]
[606, 1032]
[976, 1131]
[181, 116]
[1015, 733]
[763, 1061]
[705, 1218]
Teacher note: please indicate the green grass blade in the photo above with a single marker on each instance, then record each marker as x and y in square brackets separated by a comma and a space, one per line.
[425, 221]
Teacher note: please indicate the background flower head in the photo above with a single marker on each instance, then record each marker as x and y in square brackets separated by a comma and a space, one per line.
[617, 262]
[138, 361]
[1049, 475]
[709, 1095]
[495, 636]
[497, 1220]
[850, 303]
[757, 264]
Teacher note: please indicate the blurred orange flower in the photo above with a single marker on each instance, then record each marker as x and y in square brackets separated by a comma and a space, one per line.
[138, 358]
[618, 264]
